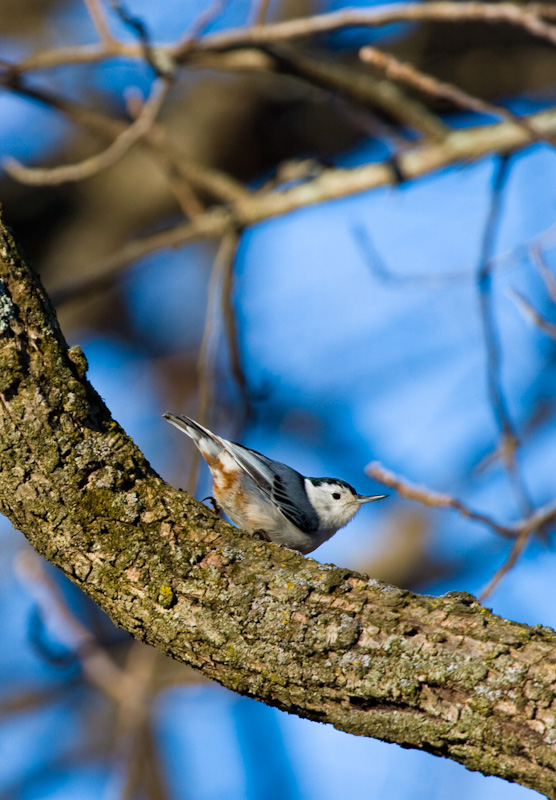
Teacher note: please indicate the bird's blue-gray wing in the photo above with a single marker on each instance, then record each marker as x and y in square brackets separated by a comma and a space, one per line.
[281, 484]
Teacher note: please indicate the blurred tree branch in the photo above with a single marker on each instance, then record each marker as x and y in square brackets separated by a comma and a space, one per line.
[440, 674]
[330, 184]
[91, 166]
[530, 17]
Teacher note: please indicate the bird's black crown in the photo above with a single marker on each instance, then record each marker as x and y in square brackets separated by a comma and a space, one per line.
[334, 481]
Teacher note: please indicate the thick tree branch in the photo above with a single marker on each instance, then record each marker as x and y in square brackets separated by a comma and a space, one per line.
[440, 674]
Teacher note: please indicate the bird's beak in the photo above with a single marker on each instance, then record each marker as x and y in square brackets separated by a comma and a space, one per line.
[369, 498]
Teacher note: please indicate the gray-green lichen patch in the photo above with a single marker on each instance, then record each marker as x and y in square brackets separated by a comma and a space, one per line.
[79, 359]
[7, 308]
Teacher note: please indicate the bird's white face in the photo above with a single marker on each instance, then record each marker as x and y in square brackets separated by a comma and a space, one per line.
[335, 502]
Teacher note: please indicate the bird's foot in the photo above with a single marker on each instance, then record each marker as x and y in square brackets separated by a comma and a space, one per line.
[260, 534]
[215, 507]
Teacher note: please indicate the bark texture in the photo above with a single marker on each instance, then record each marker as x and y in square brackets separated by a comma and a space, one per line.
[439, 674]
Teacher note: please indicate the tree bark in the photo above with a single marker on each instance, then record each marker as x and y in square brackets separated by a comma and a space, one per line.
[441, 674]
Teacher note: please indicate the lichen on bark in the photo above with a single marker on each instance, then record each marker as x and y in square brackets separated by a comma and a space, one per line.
[439, 674]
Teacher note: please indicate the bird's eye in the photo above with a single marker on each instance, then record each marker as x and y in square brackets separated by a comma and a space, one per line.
[336, 495]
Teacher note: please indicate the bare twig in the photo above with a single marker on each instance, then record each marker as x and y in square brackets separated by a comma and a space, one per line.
[97, 665]
[427, 497]
[329, 184]
[259, 10]
[544, 271]
[232, 337]
[510, 442]
[132, 723]
[539, 519]
[223, 262]
[158, 61]
[219, 185]
[214, 182]
[99, 20]
[182, 189]
[155, 137]
[529, 17]
[484, 281]
[360, 89]
[410, 75]
[207, 350]
[200, 24]
[96, 123]
[91, 166]
[210, 225]
[376, 264]
[517, 548]
[535, 523]
[531, 314]
[128, 687]
[544, 516]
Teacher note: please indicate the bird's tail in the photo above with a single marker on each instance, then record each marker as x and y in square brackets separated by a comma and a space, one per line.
[207, 442]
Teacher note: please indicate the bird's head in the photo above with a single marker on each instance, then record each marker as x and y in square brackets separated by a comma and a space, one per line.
[335, 501]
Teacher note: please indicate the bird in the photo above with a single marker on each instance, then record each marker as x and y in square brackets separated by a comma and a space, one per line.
[270, 499]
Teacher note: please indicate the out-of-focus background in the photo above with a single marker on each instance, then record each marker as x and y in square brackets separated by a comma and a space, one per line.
[399, 325]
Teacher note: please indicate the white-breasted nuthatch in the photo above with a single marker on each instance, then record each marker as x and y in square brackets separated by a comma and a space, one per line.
[264, 496]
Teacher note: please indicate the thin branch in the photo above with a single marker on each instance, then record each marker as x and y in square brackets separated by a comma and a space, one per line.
[232, 336]
[223, 262]
[539, 519]
[532, 315]
[359, 88]
[516, 550]
[99, 20]
[528, 17]
[160, 64]
[484, 281]
[537, 522]
[544, 516]
[181, 188]
[509, 441]
[200, 24]
[97, 665]
[410, 75]
[132, 722]
[499, 406]
[76, 54]
[219, 185]
[91, 166]
[548, 277]
[329, 184]
[210, 225]
[383, 272]
[427, 497]
[95, 122]
[214, 182]
[259, 10]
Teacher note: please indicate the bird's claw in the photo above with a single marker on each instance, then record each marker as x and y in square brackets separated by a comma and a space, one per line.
[260, 534]
[215, 507]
